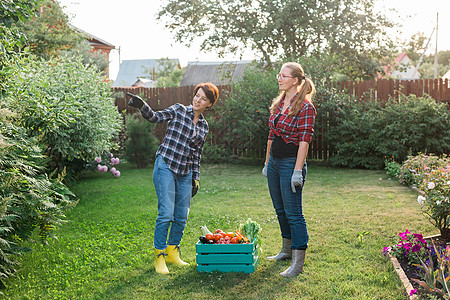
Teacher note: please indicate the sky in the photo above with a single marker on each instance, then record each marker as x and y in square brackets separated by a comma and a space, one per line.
[132, 26]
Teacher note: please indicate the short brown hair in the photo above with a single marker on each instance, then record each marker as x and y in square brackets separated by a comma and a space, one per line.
[211, 91]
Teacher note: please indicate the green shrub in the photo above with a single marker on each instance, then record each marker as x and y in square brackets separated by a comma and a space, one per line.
[414, 166]
[412, 125]
[29, 198]
[392, 168]
[247, 109]
[67, 106]
[141, 144]
[364, 132]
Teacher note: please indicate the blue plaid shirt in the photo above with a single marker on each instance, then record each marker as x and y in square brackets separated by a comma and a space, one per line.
[181, 149]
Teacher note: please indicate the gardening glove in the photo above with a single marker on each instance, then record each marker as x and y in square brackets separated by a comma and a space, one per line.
[195, 186]
[135, 101]
[264, 171]
[296, 180]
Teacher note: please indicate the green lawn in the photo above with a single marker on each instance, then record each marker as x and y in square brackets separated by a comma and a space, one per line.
[105, 251]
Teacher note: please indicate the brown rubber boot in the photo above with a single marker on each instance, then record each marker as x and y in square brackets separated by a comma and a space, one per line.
[298, 259]
[285, 253]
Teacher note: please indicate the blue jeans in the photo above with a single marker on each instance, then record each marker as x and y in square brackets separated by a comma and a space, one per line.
[288, 205]
[174, 200]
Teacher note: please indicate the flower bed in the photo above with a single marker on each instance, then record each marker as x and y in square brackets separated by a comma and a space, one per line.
[425, 262]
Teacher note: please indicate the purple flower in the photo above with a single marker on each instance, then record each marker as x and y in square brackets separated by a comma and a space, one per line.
[416, 248]
[418, 235]
[403, 235]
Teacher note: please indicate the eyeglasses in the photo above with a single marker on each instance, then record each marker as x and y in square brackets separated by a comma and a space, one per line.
[282, 77]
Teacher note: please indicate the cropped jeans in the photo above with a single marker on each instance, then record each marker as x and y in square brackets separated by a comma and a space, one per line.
[174, 200]
[288, 205]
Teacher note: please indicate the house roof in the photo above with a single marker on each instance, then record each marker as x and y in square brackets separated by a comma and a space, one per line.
[216, 72]
[393, 69]
[131, 70]
[95, 41]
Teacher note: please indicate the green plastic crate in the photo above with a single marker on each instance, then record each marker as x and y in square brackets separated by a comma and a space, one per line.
[227, 257]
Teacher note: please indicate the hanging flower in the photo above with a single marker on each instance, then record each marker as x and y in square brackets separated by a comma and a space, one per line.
[421, 199]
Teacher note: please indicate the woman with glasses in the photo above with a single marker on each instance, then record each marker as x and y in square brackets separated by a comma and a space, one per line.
[176, 173]
[291, 124]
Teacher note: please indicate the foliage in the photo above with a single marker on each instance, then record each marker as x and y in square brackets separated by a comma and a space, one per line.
[49, 32]
[435, 183]
[435, 279]
[141, 144]
[364, 132]
[168, 74]
[351, 30]
[67, 106]
[247, 108]
[29, 198]
[11, 39]
[412, 169]
[88, 57]
[411, 247]
[392, 168]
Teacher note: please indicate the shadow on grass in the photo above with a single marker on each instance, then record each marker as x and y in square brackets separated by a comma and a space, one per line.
[264, 283]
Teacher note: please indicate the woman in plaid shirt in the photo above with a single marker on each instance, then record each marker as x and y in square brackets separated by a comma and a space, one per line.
[176, 173]
[291, 125]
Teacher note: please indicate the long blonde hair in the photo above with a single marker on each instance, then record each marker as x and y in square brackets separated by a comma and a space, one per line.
[307, 89]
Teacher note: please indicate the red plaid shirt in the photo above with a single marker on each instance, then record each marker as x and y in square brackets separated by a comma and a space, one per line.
[293, 129]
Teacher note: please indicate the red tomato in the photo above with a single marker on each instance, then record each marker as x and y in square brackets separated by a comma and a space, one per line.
[219, 231]
[217, 237]
[235, 240]
[209, 237]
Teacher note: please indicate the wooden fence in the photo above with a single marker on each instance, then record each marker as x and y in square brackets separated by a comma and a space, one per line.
[160, 98]
[382, 89]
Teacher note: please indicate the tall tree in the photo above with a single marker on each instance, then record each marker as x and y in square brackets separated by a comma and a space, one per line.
[348, 29]
[49, 31]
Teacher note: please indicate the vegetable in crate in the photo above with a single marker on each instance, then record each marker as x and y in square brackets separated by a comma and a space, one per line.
[251, 230]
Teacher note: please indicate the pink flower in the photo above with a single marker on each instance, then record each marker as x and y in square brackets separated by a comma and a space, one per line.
[431, 185]
[99, 167]
[413, 292]
[111, 155]
[104, 169]
[117, 174]
[113, 170]
[98, 159]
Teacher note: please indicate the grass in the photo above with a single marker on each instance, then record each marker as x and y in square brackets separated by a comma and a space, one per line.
[105, 251]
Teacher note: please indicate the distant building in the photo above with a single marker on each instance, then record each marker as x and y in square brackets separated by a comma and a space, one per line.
[218, 73]
[402, 68]
[144, 82]
[131, 71]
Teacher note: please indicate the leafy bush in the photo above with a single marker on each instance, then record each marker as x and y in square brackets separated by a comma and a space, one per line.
[414, 167]
[247, 108]
[67, 106]
[141, 144]
[392, 168]
[29, 198]
[364, 132]
[435, 183]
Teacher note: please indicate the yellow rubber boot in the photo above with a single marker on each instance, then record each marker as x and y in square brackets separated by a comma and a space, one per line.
[160, 262]
[173, 255]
